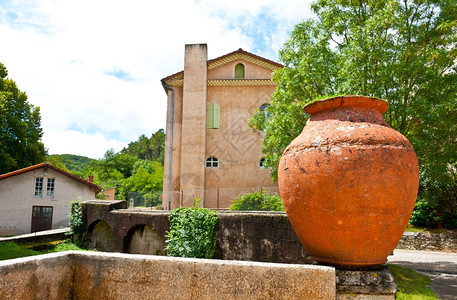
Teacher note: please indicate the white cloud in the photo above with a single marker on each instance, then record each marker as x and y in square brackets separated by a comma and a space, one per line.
[71, 142]
[63, 54]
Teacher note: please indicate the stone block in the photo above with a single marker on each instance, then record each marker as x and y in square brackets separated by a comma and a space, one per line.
[369, 284]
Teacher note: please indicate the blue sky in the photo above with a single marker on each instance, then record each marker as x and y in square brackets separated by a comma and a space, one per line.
[94, 67]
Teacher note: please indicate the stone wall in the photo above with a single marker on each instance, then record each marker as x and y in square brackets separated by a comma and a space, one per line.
[248, 236]
[89, 275]
[427, 241]
[258, 236]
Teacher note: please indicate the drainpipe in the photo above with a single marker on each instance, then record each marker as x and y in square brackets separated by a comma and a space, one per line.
[171, 139]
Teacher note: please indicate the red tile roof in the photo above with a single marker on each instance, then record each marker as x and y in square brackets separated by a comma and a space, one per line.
[46, 165]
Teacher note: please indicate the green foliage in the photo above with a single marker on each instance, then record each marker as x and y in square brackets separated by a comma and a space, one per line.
[137, 168]
[401, 51]
[75, 164]
[258, 201]
[411, 284]
[146, 176]
[76, 219]
[191, 232]
[436, 206]
[20, 128]
[144, 148]
[10, 250]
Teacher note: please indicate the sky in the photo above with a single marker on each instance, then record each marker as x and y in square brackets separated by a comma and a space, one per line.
[94, 66]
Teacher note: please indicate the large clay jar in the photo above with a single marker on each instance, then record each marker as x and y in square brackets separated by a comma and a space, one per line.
[349, 182]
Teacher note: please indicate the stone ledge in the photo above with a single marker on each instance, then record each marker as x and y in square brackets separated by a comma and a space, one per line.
[91, 275]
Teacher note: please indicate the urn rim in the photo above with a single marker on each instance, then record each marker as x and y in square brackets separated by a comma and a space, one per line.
[347, 101]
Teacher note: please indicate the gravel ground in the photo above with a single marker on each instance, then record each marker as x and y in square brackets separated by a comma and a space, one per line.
[440, 266]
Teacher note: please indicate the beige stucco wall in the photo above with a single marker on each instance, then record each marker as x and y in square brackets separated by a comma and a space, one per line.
[17, 199]
[236, 146]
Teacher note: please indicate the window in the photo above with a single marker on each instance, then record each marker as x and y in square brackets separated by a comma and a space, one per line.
[50, 188]
[239, 71]
[262, 108]
[212, 162]
[39, 187]
[47, 212]
[213, 116]
[262, 162]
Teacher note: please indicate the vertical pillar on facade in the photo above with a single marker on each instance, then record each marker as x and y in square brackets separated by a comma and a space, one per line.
[193, 139]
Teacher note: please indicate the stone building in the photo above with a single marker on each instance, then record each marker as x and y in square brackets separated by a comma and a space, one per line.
[38, 198]
[210, 151]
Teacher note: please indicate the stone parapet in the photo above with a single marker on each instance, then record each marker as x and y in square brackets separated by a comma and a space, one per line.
[86, 275]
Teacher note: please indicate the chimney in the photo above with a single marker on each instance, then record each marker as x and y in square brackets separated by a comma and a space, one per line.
[91, 178]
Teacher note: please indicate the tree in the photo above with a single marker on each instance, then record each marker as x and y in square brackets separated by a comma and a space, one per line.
[112, 168]
[147, 176]
[20, 128]
[402, 51]
[148, 148]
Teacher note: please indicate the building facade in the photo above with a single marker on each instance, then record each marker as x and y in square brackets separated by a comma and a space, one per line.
[211, 152]
[38, 198]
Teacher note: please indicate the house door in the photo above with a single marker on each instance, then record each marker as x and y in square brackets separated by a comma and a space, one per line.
[41, 218]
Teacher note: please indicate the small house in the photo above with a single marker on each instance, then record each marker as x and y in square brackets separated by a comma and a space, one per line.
[38, 198]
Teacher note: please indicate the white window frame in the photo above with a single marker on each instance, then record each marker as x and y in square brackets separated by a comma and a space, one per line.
[38, 187]
[212, 162]
[50, 187]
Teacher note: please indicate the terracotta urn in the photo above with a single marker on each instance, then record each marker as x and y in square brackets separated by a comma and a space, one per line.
[349, 182]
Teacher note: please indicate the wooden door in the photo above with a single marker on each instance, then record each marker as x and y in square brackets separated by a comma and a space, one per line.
[41, 218]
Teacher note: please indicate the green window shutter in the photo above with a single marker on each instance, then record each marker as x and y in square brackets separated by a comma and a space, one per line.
[213, 116]
[239, 71]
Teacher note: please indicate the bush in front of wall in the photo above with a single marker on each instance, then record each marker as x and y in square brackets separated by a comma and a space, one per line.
[76, 220]
[191, 232]
[266, 201]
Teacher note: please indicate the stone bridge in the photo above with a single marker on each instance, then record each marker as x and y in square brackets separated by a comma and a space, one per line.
[249, 236]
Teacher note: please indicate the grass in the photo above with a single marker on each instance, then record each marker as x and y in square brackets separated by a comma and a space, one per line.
[412, 228]
[10, 250]
[411, 284]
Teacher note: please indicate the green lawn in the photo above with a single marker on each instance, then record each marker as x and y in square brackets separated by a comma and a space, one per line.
[9, 250]
[411, 284]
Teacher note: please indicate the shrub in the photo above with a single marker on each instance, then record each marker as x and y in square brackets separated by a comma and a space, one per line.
[266, 201]
[191, 232]
[436, 205]
[76, 220]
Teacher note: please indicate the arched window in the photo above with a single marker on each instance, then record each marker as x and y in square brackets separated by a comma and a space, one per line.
[262, 108]
[212, 162]
[239, 71]
[213, 116]
[262, 162]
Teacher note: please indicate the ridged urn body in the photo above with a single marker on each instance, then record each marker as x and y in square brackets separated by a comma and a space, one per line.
[349, 182]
